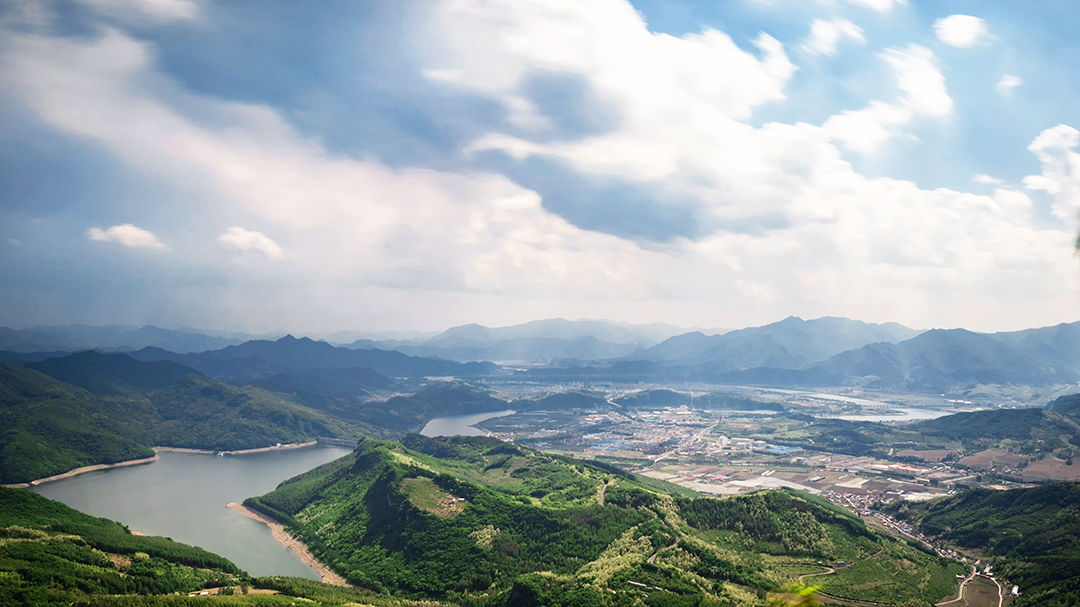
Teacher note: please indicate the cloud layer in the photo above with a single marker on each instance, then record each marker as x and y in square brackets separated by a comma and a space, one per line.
[762, 217]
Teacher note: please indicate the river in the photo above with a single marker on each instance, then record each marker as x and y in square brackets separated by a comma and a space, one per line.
[183, 496]
[905, 414]
[460, 425]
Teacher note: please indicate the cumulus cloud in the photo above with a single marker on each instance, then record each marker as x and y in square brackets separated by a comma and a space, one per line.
[1055, 149]
[924, 94]
[987, 179]
[1007, 83]
[825, 36]
[247, 240]
[961, 31]
[127, 235]
[160, 10]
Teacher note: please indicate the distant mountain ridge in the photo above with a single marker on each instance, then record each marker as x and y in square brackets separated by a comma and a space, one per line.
[112, 373]
[261, 359]
[74, 338]
[789, 343]
[534, 342]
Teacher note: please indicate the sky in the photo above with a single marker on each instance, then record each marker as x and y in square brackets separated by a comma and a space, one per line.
[263, 165]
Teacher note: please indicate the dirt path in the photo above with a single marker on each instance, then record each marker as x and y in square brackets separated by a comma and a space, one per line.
[603, 490]
[652, 558]
[279, 533]
[963, 585]
[829, 572]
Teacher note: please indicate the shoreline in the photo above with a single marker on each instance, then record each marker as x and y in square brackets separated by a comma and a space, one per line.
[83, 470]
[150, 460]
[238, 451]
[281, 535]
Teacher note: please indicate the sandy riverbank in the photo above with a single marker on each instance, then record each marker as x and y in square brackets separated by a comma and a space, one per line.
[84, 469]
[279, 533]
[239, 451]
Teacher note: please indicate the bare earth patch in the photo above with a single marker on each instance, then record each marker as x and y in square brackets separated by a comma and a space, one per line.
[1054, 469]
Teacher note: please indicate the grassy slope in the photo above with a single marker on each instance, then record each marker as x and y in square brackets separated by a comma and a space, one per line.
[1033, 534]
[531, 529]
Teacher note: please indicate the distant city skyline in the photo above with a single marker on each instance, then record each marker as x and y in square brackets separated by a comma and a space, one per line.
[264, 167]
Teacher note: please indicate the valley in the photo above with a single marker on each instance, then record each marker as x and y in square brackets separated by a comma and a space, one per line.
[613, 467]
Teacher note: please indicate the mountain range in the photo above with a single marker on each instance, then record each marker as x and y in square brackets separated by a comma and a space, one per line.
[821, 352]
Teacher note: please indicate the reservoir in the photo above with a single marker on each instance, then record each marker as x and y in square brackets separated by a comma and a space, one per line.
[460, 425]
[183, 496]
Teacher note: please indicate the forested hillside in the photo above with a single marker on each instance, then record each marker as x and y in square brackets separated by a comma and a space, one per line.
[1031, 535]
[48, 427]
[478, 521]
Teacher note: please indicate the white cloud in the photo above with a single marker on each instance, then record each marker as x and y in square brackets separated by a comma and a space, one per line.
[826, 35]
[127, 235]
[247, 240]
[961, 31]
[1055, 149]
[1007, 83]
[795, 229]
[160, 10]
[982, 178]
[924, 94]
[882, 6]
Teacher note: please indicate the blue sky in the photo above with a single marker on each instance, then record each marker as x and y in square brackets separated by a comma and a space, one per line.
[262, 166]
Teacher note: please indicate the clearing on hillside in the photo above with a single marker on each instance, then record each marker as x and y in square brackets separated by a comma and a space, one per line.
[427, 496]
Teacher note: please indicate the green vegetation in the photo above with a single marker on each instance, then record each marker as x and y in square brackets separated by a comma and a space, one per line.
[475, 521]
[112, 373]
[1031, 535]
[1023, 431]
[49, 427]
[409, 413]
[52, 554]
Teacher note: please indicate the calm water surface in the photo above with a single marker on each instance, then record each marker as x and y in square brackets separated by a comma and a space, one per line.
[460, 425]
[906, 415]
[183, 496]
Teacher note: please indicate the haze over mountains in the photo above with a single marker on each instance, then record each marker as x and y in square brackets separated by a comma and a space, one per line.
[822, 352]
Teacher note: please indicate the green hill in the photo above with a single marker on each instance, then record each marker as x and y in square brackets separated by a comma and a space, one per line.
[1032, 535]
[112, 373]
[48, 427]
[476, 521]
